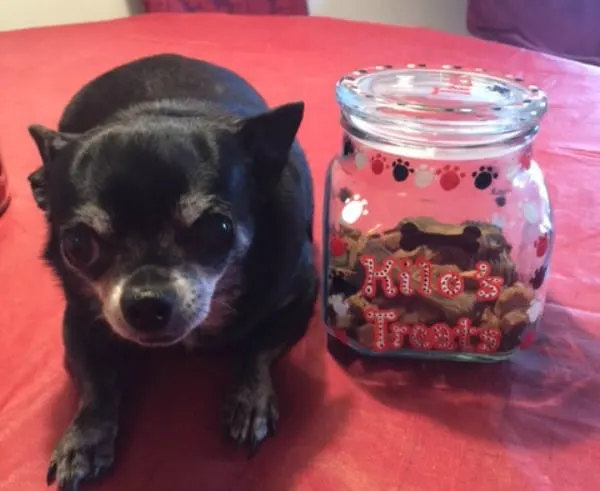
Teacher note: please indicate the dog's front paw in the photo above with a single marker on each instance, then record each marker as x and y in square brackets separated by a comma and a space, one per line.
[250, 413]
[84, 453]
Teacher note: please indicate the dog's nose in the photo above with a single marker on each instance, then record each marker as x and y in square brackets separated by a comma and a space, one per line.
[147, 310]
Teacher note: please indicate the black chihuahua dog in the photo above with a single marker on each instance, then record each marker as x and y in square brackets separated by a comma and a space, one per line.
[180, 211]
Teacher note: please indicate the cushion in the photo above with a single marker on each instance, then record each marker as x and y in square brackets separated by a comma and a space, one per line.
[562, 27]
[273, 7]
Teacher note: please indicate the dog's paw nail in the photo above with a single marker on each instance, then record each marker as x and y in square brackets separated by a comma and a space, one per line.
[251, 416]
[84, 453]
[51, 475]
[71, 485]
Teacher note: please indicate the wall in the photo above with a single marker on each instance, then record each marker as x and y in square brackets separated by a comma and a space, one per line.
[16, 14]
[447, 15]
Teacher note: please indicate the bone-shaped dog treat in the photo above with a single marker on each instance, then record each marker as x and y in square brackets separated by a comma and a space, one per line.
[413, 237]
[359, 301]
[447, 247]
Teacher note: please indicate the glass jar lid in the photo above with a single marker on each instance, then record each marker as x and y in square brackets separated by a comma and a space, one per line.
[447, 106]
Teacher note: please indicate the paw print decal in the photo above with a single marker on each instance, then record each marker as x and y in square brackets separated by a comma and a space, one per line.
[401, 170]
[347, 146]
[339, 304]
[484, 177]
[534, 311]
[377, 164]
[528, 340]
[500, 197]
[354, 208]
[539, 276]
[525, 158]
[450, 177]
[424, 176]
[541, 245]
[360, 160]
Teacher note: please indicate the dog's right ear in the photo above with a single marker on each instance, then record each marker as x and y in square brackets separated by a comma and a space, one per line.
[49, 143]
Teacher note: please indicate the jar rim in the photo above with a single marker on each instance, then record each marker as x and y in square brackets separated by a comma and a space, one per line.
[446, 106]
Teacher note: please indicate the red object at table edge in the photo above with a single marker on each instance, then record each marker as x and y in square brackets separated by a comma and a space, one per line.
[529, 424]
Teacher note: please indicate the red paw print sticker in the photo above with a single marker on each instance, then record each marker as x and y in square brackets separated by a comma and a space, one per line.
[450, 177]
[541, 245]
[377, 164]
[525, 158]
[337, 246]
[528, 340]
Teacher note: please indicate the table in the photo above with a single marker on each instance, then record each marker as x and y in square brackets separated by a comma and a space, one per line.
[531, 424]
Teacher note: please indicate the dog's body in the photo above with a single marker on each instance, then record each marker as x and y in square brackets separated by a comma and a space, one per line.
[180, 211]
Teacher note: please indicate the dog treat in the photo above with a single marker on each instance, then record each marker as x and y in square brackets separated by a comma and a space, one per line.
[426, 285]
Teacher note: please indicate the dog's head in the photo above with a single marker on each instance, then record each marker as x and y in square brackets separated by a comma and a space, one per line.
[152, 217]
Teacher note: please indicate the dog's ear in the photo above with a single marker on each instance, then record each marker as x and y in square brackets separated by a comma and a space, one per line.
[49, 142]
[269, 138]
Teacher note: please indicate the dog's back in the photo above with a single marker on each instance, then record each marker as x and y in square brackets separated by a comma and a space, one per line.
[159, 78]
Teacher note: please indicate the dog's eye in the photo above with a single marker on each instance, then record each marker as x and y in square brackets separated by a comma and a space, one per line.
[214, 232]
[80, 246]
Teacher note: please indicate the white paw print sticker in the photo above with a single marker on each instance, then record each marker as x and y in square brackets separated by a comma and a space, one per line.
[534, 311]
[360, 160]
[531, 212]
[339, 305]
[423, 176]
[354, 208]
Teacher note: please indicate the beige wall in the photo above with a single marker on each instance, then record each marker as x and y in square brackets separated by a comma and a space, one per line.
[16, 14]
[449, 15]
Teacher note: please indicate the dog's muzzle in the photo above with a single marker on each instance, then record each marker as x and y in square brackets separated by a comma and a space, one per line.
[149, 301]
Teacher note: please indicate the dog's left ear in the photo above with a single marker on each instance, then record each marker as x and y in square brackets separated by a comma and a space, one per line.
[269, 138]
[48, 143]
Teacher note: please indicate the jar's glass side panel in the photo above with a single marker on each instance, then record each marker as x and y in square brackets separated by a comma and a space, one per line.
[443, 258]
[527, 224]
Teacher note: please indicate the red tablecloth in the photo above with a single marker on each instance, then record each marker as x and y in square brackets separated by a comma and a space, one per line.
[531, 424]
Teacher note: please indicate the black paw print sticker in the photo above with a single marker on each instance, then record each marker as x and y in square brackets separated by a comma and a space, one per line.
[347, 147]
[401, 170]
[500, 197]
[539, 277]
[484, 177]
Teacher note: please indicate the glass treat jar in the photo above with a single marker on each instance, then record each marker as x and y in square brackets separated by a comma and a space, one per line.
[437, 223]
